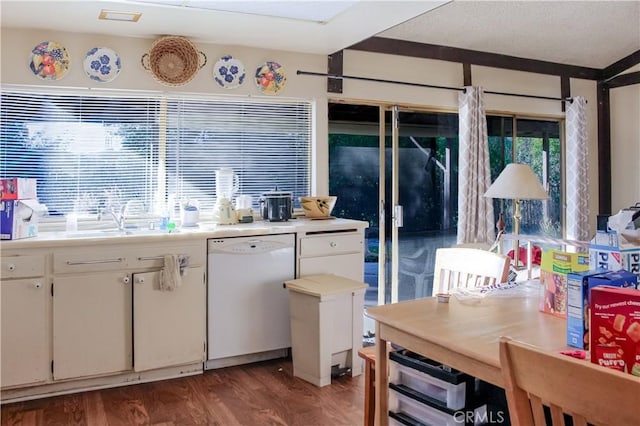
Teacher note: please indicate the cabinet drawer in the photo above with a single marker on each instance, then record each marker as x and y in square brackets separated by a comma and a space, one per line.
[409, 408]
[152, 256]
[327, 245]
[22, 266]
[449, 387]
[90, 259]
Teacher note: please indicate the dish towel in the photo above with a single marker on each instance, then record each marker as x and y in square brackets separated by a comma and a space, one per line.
[170, 275]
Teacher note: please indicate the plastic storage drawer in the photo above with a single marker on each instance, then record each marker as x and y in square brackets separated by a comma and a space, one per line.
[448, 388]
[407, 410]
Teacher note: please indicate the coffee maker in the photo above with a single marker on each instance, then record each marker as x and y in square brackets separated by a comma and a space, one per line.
[227, 184]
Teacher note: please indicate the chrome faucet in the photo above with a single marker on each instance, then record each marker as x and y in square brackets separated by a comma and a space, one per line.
[118, 212]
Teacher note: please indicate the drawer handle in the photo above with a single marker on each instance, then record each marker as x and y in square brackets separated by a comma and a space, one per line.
[332, 244]
[93, 262]
[11, 267]
[141, 259]
[37, 285]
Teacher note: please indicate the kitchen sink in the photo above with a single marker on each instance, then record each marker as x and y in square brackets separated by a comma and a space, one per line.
[102, 233]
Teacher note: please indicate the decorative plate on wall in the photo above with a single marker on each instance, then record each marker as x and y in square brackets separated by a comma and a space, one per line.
[271, 78]
[229, 72]
[49, 61]
[102, 64]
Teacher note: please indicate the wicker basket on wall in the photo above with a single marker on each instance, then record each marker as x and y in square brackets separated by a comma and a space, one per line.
[173, 60]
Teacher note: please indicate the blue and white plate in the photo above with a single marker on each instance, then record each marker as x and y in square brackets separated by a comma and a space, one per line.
[229, 72]
[102, 64]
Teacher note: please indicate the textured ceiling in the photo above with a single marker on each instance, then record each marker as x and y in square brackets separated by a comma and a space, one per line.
[583, 33]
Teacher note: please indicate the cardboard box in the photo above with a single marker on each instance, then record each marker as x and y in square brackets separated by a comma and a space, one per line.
[615, 328]
[554, 268]
[609, 251]
[19, 219]
[579, 284]
[18, 189]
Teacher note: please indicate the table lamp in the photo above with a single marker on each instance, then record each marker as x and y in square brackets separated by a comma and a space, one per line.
[517, 182]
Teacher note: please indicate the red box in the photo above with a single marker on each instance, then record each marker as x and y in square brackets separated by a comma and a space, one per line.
[18, 189]
[615, 328]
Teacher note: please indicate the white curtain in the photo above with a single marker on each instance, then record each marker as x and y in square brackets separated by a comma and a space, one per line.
[475, 212]
[577, 167]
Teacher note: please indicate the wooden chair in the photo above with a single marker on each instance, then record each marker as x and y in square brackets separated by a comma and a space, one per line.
[569, 386]
[369, 356]
[467, 267]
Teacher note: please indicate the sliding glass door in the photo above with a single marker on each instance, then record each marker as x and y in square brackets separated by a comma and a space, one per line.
[395, 169]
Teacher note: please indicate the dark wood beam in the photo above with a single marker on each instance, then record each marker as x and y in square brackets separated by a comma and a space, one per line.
[565, 90]
[624, 80]
[621, 65]
[474, 57]
[335, 66]
[466, 74]
[604, 150]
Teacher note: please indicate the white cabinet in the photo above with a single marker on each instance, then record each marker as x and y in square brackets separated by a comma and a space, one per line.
[110, 316]
[333, 252]
[169, 326]
[91, 324]
[25, 326]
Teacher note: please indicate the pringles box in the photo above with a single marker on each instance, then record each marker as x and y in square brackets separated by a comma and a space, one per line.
[554, 268]
[610, 251]
[615, 328]
[579, 285]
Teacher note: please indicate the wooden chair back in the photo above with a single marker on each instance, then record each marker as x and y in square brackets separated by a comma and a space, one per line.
[468, 267]
[568, 386]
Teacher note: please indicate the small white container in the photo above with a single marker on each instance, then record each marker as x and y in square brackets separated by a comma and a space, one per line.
[71, 222]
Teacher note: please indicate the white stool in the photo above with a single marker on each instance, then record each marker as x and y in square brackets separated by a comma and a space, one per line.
[326, 325]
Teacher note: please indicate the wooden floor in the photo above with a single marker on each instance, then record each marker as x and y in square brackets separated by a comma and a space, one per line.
[258, 394]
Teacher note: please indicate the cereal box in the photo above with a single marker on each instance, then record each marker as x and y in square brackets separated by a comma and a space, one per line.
[18, 189]
[554, 268]
[615, 328]
[578, 286]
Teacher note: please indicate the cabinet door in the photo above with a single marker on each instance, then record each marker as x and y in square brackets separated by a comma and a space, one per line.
[25, 332]
[91, 324]
[346, 265]
[169, 326]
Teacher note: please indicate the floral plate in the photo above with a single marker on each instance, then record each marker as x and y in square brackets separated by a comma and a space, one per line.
[49, 61]
[102, 64]
[271, 78]
[229, 72]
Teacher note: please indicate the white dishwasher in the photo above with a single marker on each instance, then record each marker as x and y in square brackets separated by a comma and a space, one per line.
[247, 304]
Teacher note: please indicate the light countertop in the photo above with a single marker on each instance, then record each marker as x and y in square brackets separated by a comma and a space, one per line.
[203, 230]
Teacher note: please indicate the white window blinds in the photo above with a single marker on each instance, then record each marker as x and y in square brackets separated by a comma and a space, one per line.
[81, 148]
[84, 147]
[267, 143]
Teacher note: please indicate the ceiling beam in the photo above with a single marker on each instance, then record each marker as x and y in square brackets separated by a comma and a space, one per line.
[474, 57]
[624, 80]
[621, 65]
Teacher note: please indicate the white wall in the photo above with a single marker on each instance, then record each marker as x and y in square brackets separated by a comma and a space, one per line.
[17, 44]
[625, 146]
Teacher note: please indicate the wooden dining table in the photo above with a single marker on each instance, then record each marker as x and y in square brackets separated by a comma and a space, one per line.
[462, 334]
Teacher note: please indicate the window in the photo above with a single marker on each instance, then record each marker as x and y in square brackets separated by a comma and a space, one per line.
[84, 147]
[537, 144]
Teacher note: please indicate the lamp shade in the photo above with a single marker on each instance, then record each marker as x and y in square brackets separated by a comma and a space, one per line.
[517, 182]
